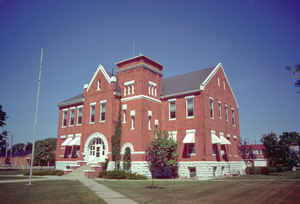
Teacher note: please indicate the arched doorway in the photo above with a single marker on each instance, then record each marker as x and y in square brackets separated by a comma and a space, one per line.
[96, 148]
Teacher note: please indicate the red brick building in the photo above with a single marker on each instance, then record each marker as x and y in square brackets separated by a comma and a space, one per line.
[197, 109]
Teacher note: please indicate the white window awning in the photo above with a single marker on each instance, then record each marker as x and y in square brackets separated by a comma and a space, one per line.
[189, 138]
[224, 140]
[76, 141]
[67, 142]
[215, 139]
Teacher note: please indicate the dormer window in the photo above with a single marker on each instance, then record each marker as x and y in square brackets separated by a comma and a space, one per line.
[98, 85]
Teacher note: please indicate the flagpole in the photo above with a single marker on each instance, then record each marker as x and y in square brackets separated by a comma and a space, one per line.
[36, 117]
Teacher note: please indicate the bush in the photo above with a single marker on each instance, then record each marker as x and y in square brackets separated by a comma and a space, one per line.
[45, 172]
[121, 175]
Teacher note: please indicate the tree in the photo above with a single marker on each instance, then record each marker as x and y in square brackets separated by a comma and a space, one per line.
[116, 142]
[45, 152]
[296, 74]
[162, 156]
[127, 159]
[4, 133]
[279, 150]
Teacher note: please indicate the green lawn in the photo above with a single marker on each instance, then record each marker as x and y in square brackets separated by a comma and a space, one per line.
[11, 171]
[48, 192]
[236, 190]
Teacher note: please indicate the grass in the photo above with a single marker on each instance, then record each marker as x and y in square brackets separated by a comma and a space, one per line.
[11, 171]
[280, 189]
[46, 192]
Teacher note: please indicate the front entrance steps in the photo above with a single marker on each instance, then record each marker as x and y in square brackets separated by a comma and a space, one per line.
[82, 168]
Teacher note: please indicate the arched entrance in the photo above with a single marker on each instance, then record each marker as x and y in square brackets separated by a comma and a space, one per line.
[96, 148]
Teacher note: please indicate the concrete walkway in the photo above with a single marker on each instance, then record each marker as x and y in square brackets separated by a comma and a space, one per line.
[110, 196]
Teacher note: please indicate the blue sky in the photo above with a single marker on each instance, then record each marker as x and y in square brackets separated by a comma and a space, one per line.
[255, 40]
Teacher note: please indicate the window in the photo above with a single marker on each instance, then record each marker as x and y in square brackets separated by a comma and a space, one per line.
[102, 111]
[224, 85]
[190, 107]
[211, 108]
[132, 123]
[79, 115]
[92, 112]
[155, 91]
[220, 110]
[124, 91]
[218, 82]
[233, 117]
[189, 149]
[98, 85]
[72, 116]
[128, 88]
[173, 135]
[149, 123]
[132, 115]
[132, 89]
[64, 118]
[124, 116]
[226, 112]
[152, 88]
[149, 90]
[172, 110]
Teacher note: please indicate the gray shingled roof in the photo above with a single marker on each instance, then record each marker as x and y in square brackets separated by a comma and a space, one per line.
[185, 82]
[73, 100]
[174, 85]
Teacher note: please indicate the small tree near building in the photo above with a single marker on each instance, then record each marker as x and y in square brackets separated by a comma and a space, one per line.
[127, 159]
[116, 142]
[162, 156]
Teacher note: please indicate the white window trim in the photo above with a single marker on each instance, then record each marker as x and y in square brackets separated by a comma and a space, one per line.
[149, 122]
[151, 83]
[124, 116]
[132, 123]
[72, 109]
[102, 102]
[186, 107]
[132, 89]
[125, 91]
[62, 124]
[169, 101]
[92, 104]
[220, 109]
[98, 85]
[78, 107]
[233, 117]
[173, 134]
[226, 113]
[126, 83]
[224, 85]
[218, 82]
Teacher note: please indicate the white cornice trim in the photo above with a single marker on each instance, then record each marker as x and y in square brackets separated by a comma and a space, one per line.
[99, 68]
[147, 66]
[210, 76]
[140, 97]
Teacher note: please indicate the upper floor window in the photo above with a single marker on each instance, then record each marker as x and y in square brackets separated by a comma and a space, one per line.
[92, 112]
[152, 88]
[218, 82]
[64, 118]
[226, 112]
[172, 109]
[72, 116]
[124, 108]
[189, 106]
[149, 119]
[211, 107]
[220, 110]
[224, 85]
[102, 111]
[132, 116]
[233, 117]
[98, 85]
[79, 115]
[129, 87]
